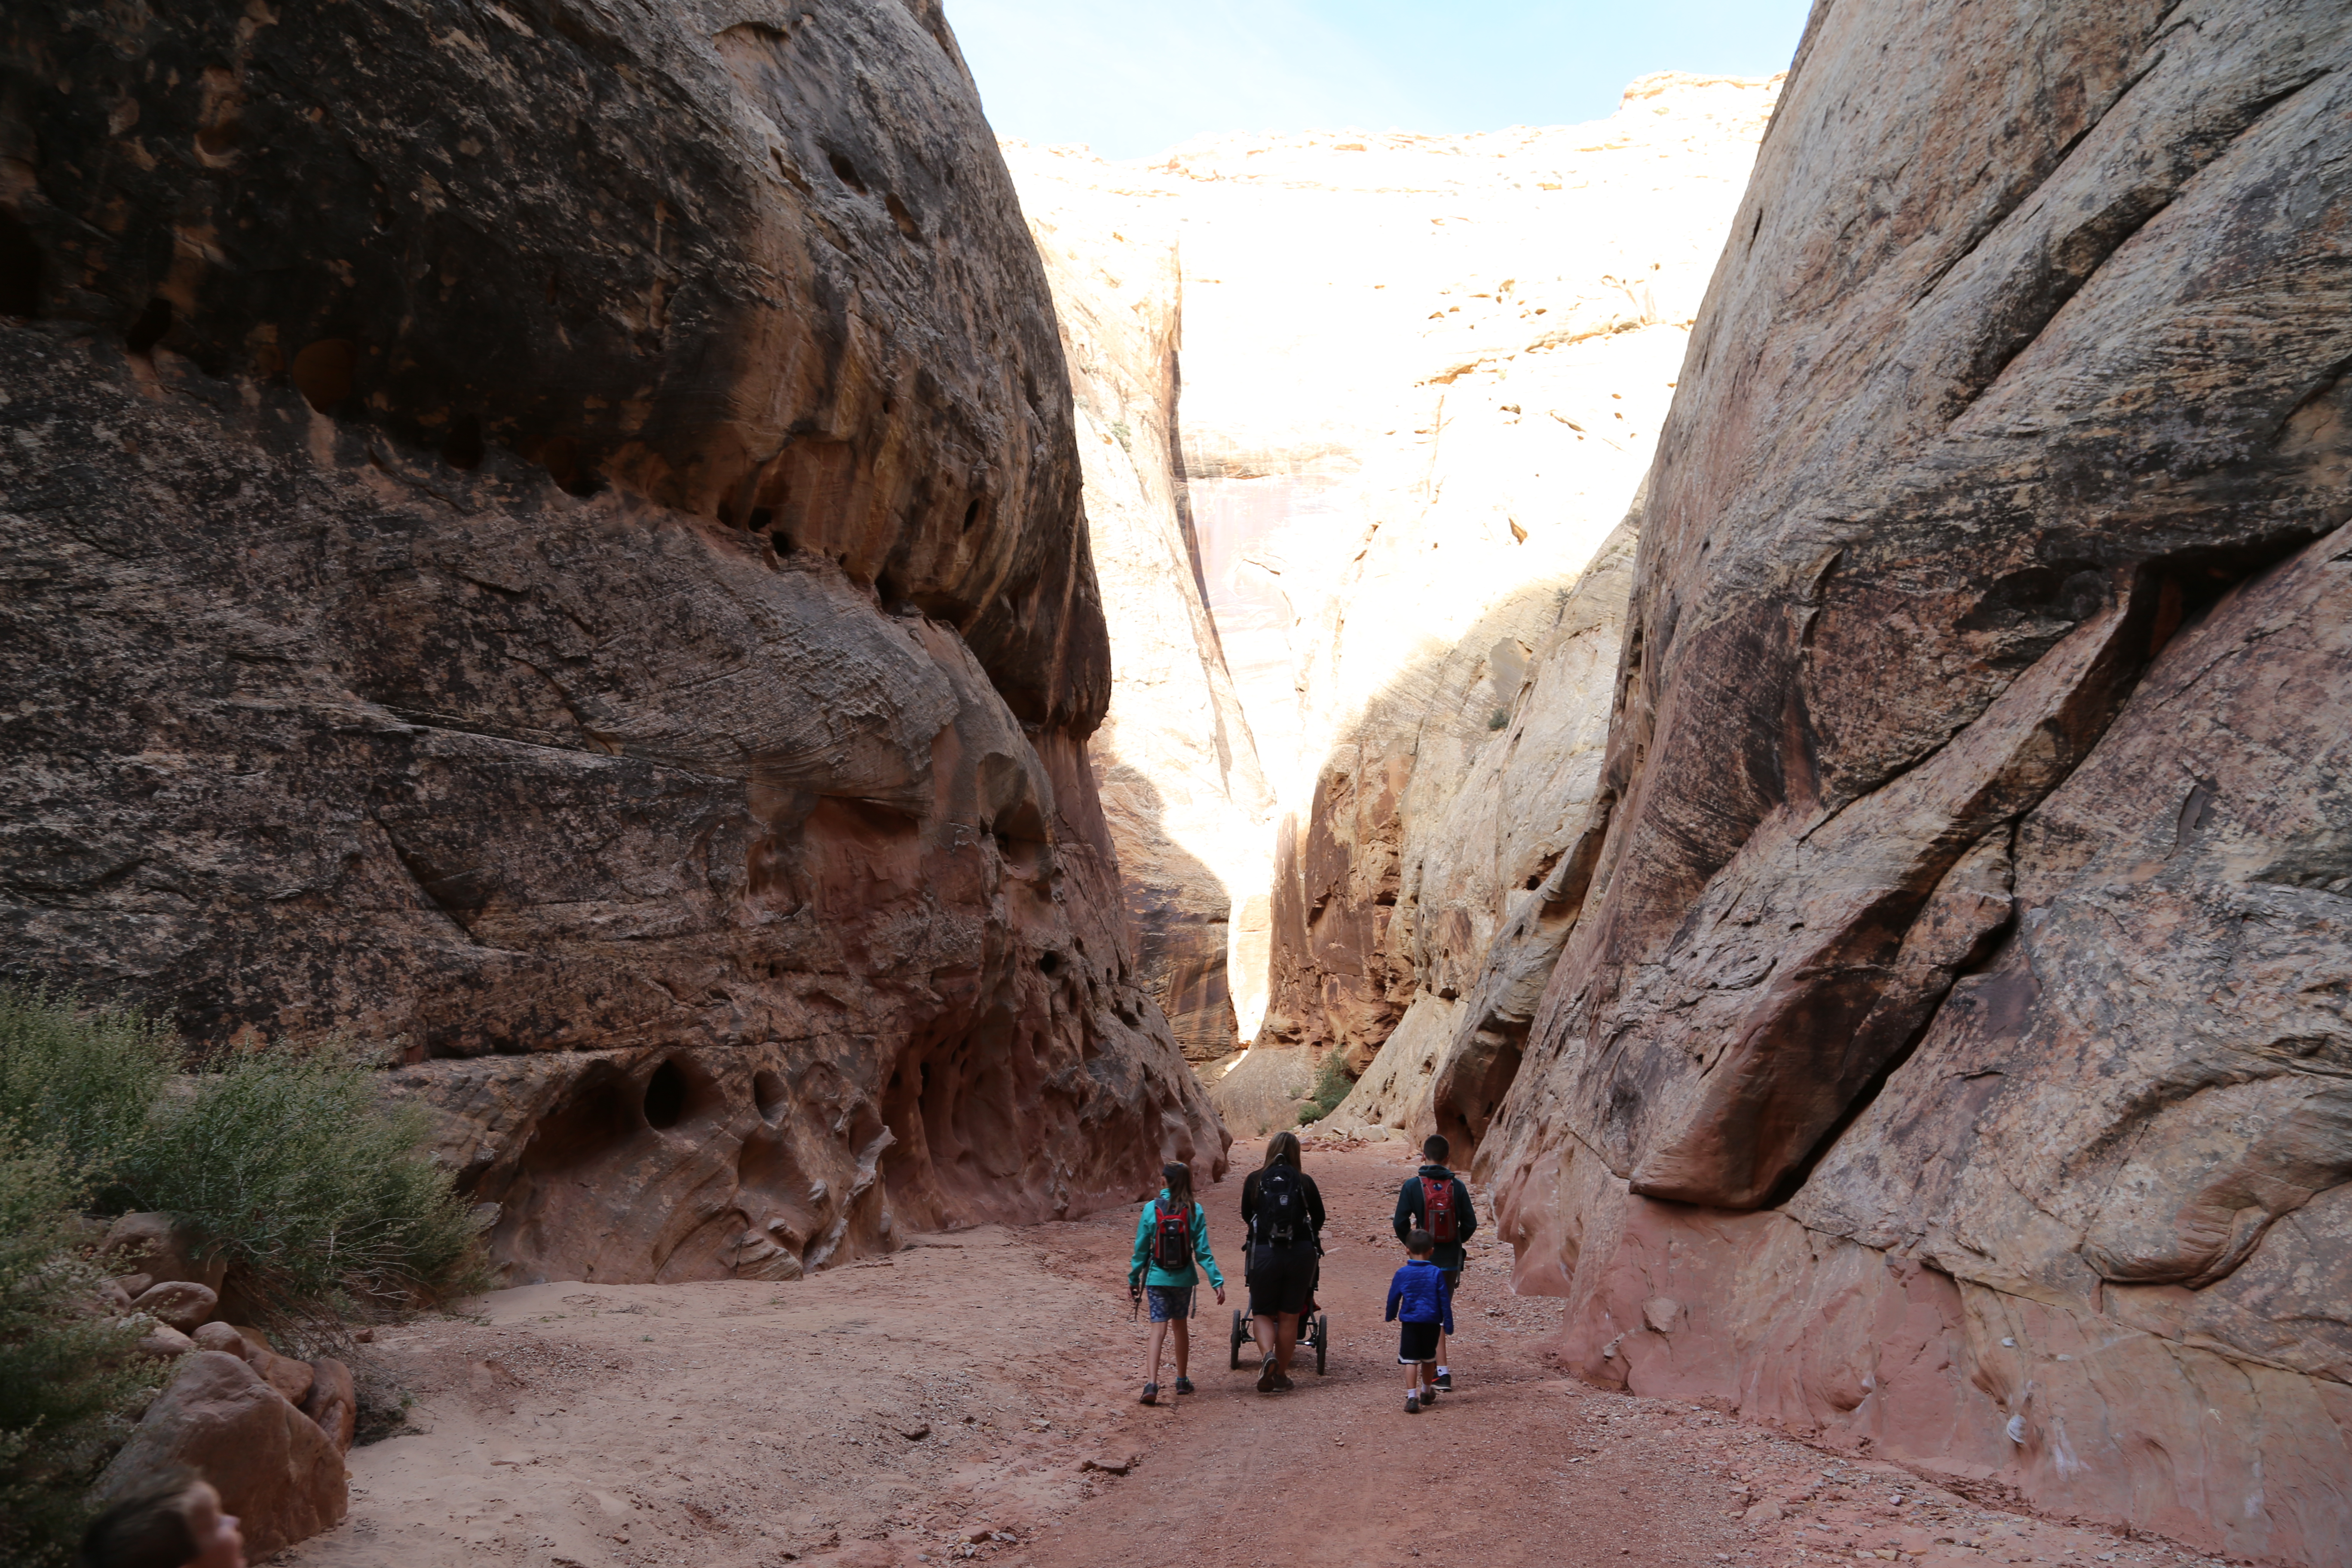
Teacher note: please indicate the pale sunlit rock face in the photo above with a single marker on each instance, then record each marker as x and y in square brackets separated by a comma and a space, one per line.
[1423, 376]
[1187, 805]
[1420, 381]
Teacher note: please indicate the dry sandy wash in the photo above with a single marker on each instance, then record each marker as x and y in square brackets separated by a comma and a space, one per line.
[973, 1397]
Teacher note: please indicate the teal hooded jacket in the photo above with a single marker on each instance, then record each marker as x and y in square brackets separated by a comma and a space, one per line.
[1174, 1278]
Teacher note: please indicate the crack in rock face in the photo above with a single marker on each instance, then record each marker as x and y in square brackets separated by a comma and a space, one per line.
[553, 539]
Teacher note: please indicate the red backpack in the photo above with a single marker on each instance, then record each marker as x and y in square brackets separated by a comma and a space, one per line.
[1437, 1209]
[1171, 1240]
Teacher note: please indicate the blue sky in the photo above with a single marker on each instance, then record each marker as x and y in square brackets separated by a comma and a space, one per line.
[1132, 77]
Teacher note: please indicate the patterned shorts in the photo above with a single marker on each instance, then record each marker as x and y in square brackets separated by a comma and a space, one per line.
[1170, 1303]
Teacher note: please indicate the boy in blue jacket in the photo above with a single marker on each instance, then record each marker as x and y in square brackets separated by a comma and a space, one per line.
[1171, 1231]
[1420, 1302]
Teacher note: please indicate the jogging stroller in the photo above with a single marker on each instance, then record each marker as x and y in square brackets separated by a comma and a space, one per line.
[1314, 1325]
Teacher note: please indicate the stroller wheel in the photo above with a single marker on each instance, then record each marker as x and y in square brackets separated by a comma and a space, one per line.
[1322, 1341]
[1241, 1334]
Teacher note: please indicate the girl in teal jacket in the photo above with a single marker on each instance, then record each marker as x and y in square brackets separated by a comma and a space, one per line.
[1164, 1270]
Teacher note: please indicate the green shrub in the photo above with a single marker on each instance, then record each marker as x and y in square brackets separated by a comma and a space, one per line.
[292, 1162]
[67, 1382]
[1331, 1086]
[81, 1082]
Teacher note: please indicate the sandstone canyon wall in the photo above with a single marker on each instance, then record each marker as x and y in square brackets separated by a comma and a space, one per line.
[1947, 1053]
[553, 535]
[1182, 787]
[1421, 377]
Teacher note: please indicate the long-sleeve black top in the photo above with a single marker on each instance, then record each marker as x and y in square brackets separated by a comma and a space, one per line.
[1310, 1193]
[1413, 1210]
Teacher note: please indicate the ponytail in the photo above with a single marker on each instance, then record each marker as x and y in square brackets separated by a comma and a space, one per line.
[1180, 1186]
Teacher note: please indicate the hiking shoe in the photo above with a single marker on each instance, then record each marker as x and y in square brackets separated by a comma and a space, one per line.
[1446, 1381]
[1265, 1378]
[1183, 1385]
[1281, 1384]
[1413, 1405]
[1151, 1394]
[1429, 1395]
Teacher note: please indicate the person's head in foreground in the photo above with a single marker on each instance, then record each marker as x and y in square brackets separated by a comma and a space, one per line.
[174, 1521]
[1434, 1149]
[1421, 1244]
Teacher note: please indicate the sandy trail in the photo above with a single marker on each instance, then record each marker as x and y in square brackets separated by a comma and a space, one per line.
[973, 1397]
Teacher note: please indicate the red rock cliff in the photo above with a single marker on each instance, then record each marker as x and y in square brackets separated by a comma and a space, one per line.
[1949, 1058]
[551, 534]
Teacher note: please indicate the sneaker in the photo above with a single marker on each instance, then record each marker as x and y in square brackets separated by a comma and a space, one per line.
[1265, 1378]
[1151, 1394]
[1281, 1384]
[1429, 1395]
[1413, 1405]
[1446, 1381]
[1183, 1385]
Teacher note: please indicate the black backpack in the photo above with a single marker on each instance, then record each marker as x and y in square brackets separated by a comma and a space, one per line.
[1281, 1206]
[1171, 1239]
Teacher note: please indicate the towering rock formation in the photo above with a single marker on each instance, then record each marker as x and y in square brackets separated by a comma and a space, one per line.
[1187, 803]
[1947, 1055]
[553, 536]
[1421, 380]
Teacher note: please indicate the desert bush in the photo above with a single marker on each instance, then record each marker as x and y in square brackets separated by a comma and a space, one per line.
[289, 1159]
[1331, 1086]
[292, 1162]
[82, 1082]
[69, 1384]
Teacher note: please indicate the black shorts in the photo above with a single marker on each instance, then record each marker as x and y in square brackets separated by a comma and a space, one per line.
[1281, 1279]
[1416, 1343]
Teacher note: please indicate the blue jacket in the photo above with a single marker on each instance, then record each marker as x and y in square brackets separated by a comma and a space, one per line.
[1187, 1275]
[1419, 1294]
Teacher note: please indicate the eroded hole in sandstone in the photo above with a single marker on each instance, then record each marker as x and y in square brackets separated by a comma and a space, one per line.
[666, 1097]
[463, 446]
[324, 371]
[902, 218]
[221, 138]
[569, 465]
[148, 328]
[768, 1094]
[20, 269]
[845, 172]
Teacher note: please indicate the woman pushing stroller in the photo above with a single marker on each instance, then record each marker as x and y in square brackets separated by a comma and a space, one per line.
[1284, 1211]
[1171, 1234]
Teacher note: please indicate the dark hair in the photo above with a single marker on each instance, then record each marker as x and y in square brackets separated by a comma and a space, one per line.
[1435, 1148]
[1179, 1185]
[1421, 1244]
[147, 1527]
[1282, 1149]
